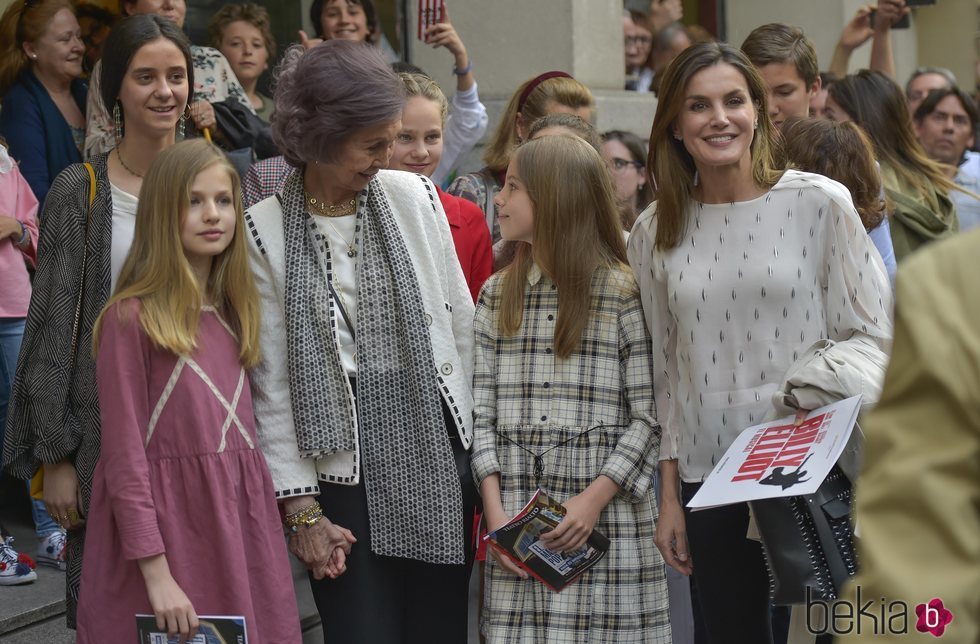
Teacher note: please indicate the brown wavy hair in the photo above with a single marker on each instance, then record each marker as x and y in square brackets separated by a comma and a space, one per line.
[842, 152]
[254, 14]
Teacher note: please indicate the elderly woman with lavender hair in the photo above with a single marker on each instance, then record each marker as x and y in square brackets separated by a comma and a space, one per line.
[363, 401]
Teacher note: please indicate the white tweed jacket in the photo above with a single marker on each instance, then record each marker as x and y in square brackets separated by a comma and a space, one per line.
[448, 310]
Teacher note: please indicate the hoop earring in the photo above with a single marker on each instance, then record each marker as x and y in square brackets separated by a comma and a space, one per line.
[117, 121]
[181, 121]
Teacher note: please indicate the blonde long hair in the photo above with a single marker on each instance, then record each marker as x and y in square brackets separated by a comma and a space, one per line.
[576, 231]
[157, 272]
[671, 166]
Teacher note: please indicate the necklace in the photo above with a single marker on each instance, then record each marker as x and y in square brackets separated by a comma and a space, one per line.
[351, 248]
[319, 207]
[128, 169]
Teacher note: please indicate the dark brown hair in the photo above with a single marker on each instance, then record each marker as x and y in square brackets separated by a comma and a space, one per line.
[878, 105]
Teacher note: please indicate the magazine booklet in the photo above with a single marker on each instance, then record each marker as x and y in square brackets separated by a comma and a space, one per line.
[780, 458]
[520, 540]
[213, 629]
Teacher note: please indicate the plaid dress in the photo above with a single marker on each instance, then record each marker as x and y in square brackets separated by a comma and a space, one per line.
[590, 414]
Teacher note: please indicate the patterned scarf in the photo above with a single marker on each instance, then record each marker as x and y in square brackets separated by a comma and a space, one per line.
[413, 490]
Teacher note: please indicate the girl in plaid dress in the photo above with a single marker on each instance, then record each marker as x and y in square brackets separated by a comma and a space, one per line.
[564, 402]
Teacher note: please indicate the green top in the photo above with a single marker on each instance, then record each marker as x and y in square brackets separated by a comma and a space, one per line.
[265, 112]
[917, 218]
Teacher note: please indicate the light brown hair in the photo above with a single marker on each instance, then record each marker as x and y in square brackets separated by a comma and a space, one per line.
[255, 15]
[671, 166]
[563, 91]
[576, 232]
[779, 43]
[842, 152]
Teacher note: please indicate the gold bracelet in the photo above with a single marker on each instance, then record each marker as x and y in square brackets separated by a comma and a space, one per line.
[308, 517]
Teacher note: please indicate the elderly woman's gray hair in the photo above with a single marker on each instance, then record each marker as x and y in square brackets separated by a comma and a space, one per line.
[326, 94]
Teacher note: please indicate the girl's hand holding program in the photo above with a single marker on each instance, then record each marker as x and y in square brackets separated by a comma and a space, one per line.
[170, 604]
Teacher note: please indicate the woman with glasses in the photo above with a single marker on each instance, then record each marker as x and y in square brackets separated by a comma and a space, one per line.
[624, 154]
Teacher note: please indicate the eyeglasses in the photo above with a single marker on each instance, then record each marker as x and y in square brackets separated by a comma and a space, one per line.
[618, 165]
[637, 40]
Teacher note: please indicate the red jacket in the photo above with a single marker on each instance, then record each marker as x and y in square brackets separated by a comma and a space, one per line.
[471, 238]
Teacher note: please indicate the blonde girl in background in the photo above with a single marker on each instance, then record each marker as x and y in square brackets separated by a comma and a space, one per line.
[564, 372]
[418, 148]
[549, 93]
[183, 519]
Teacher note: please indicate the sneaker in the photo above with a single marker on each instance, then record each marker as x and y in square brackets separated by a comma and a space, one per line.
[14, 568]
[51, 550]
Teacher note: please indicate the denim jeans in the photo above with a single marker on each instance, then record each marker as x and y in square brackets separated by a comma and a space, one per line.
[11, 333]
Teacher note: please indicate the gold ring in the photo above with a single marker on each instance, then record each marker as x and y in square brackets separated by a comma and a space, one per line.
[73, 515]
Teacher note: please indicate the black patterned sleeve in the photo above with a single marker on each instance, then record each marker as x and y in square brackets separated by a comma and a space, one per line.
[41, 425]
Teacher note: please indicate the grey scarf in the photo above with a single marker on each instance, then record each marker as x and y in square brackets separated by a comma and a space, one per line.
[414, 498]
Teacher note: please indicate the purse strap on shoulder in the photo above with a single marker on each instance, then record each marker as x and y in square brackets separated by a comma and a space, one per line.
[81, 286]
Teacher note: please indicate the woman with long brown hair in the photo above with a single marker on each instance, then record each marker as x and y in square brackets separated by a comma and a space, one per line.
[916, 188]
[742, 268]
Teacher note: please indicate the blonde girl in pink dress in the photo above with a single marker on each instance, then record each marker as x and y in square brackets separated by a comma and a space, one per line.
[183, 519]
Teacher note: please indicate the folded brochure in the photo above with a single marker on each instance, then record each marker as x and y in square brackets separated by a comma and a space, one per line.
[520, 540]
[780, 458]
[213, 629]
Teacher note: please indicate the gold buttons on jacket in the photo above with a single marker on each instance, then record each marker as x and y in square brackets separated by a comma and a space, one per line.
[446, 369]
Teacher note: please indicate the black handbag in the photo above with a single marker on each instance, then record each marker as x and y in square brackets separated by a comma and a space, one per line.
[808, 541]
[243, 136]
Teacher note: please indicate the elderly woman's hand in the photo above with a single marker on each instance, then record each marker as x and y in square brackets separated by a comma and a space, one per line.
[317, 545]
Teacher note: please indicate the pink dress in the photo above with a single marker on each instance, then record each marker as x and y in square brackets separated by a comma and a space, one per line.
[180, 472]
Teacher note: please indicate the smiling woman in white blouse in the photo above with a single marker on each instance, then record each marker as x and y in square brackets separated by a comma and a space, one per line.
[742, 268]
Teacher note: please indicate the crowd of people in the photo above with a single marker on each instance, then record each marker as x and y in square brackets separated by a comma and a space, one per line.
[240, 325]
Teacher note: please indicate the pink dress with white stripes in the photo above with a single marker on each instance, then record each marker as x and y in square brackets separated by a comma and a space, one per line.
[180, 472]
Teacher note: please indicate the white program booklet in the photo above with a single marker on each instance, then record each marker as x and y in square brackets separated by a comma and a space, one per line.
[780, 458]
[213, 629]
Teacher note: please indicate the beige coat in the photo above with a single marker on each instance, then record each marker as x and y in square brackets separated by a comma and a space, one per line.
[918, 497]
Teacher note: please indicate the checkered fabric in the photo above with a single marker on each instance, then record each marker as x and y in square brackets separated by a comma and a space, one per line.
[524, 394]
[264, 179]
